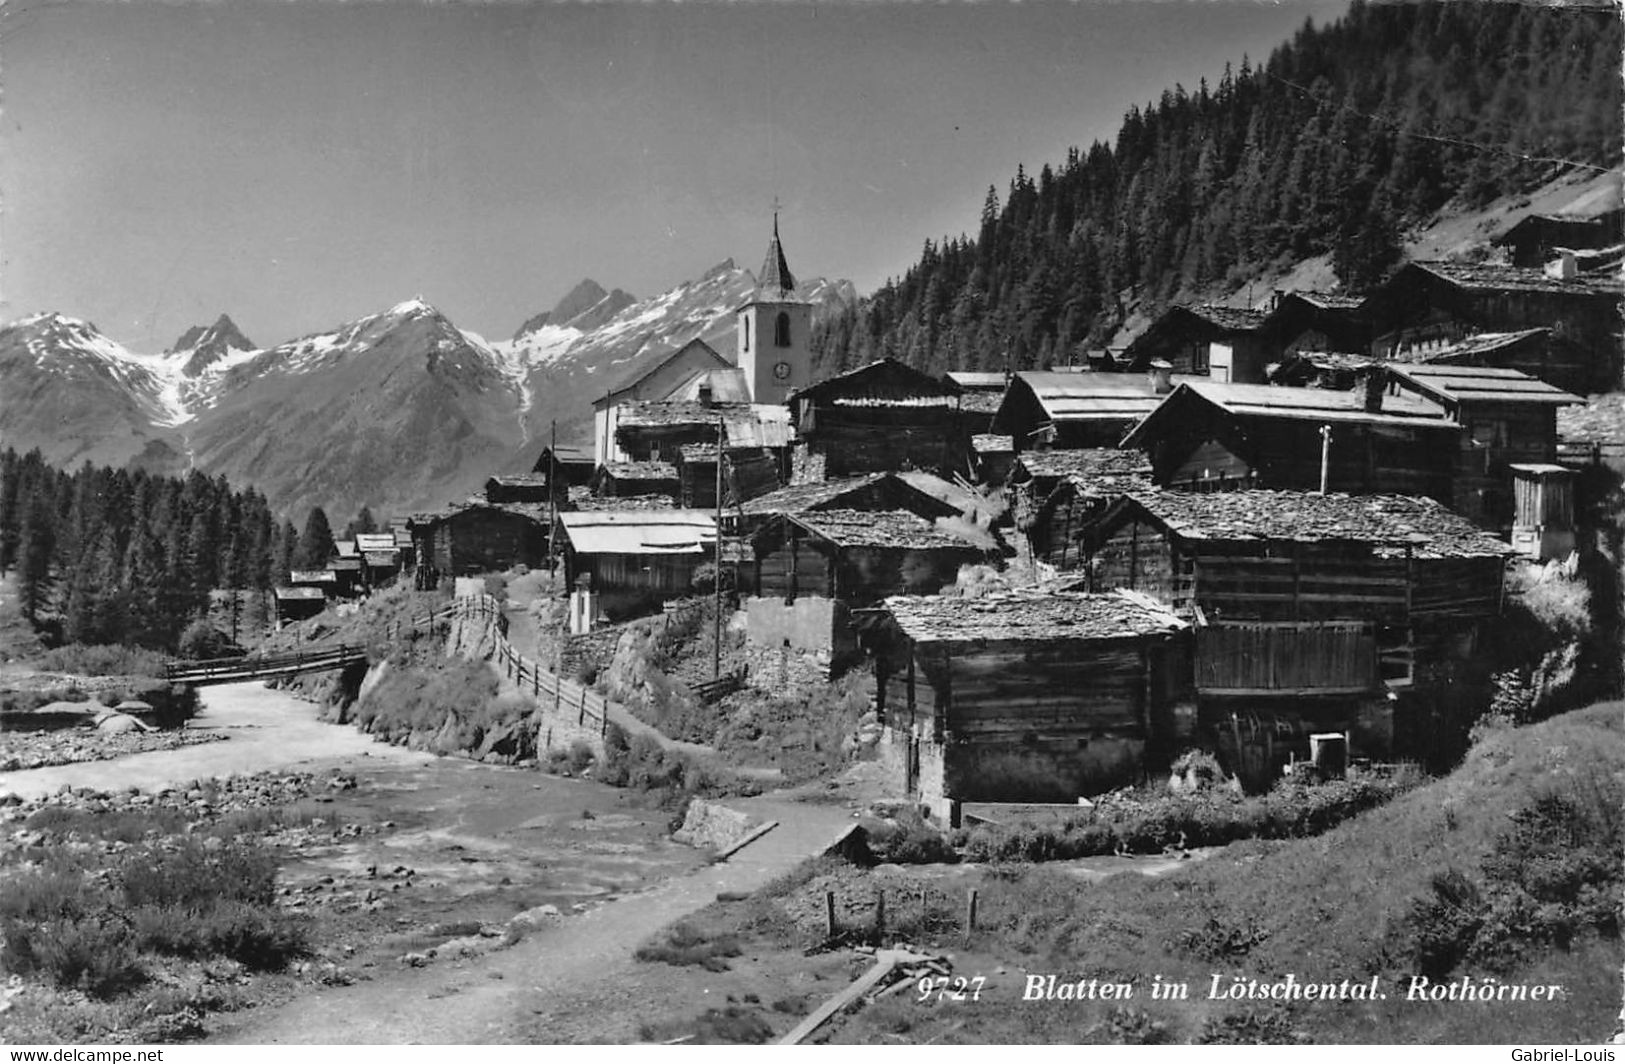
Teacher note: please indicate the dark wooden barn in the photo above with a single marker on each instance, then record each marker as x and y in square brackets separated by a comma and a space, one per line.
[1506, 417]
[573, 465]
[1536, 352]
[617, 479]
[1080, 496]
[857, 556]
[1225, 343]
[295, 604]
[1032, 695]
[1071, 411]
[1327, 612]
[478, 539]
[517, 487]
[1536, 238]
[1314, 321]
[1035, 476]
[870, 493]
[979, 397]
[1207, 435]
[1429, 303]
[883, 417]
[635, 560]
[747, 473]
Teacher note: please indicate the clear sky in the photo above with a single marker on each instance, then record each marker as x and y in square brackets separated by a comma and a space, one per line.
[298, 163]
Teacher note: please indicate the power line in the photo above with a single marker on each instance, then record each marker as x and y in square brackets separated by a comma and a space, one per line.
[1460, 142]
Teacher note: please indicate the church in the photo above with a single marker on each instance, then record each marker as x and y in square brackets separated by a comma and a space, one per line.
[774, 342]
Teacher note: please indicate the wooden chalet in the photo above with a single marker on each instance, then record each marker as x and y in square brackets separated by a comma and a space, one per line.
[979, 397]
[635, 560]
[857, 556]
[349, 574]
[1506, 416]
[812, 567]
[617, 479]
[1206, 436]
[654, 380]
[572, 465]
[1045, 409]
[1535, 239]
[883, 417]
[1031, 695]
[1533, 351]
[1065, 492]
[747, 472]
[380, 558]
[995, 456]
[1426, 304]
[1337, 370]
[1225, 343]
[295, 604]
[517, 487]
[1333, 612]
[478, 538]
[870, 493]
[1314, 321]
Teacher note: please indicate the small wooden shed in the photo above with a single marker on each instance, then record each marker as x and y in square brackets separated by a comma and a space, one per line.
[1030, 695]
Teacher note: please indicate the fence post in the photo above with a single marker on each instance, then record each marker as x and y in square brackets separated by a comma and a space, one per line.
[581, 716]
[829, 913]
[970, 914]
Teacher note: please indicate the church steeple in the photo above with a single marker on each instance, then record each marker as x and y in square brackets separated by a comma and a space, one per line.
[775, 330]
[776, 281]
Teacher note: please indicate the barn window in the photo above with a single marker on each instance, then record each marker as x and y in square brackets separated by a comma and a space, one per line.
[781, 330]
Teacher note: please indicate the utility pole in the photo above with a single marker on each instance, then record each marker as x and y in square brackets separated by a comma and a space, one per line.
[1325, 456]
[716, 632]
[553, 498]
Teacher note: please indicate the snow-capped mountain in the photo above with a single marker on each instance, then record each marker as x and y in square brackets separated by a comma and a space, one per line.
[400, 410]
[80, 397]
[202, 347]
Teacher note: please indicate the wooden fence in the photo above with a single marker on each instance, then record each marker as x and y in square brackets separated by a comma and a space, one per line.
[542, 684]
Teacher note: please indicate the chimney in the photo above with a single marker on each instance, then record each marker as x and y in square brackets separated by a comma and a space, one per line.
[705, 392]
[1375, 382]
[1161, 375]
[1564, 267]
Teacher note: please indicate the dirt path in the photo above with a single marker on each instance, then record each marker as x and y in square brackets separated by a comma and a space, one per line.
[488, 998]
[265, 730]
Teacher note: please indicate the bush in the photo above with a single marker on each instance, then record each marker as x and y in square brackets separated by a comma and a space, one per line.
[1165, 819]
[259, 938]
[101, 660]
[202, 640]
[93, 954]
[580, 756]
[909, 840]
[195, 877]
[685, 946]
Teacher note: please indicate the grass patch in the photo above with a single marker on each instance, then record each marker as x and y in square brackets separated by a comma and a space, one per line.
[1151, 822]
[684, 945]
[101, 660]
[1510, 867]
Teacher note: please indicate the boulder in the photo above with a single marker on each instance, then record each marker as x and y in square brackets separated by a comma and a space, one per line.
[121, 724]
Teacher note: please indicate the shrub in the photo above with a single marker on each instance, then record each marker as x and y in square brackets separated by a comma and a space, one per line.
[685, 946]
[202, 640]
[254, 936]
[1128, 1026]
[581, 755]
[195, 877]
[101, 660]
[909, 840]
[93, 954]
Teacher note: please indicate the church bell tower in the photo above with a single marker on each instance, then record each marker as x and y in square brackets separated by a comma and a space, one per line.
[775, 331]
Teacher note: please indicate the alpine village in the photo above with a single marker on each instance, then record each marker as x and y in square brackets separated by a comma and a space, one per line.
[1186, 610]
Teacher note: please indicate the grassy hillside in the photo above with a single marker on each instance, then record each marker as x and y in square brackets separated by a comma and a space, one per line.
[1509, 868]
